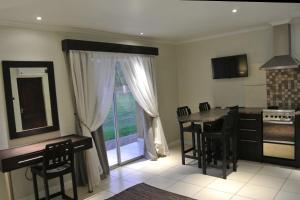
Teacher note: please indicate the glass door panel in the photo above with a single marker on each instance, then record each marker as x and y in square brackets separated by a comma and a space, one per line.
[110, 139]
[131, 145]
[122, 128]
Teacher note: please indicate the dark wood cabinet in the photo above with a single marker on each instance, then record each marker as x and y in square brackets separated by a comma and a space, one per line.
[250, 137]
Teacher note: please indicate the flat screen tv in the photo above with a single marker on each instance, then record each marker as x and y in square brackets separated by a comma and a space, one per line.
[230, 67]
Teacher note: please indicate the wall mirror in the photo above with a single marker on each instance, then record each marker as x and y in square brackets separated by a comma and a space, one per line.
[30, 97]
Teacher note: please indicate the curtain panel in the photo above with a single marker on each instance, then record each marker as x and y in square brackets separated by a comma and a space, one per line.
[93, 80]
[138, 73]
[93, 77]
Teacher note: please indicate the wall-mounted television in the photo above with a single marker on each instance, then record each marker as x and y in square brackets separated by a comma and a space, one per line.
[230, 67]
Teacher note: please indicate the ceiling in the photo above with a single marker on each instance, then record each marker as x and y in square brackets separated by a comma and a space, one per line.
[170, 20]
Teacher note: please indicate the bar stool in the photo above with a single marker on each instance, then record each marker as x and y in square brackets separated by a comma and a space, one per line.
[58, 161]
[209, 127]
[204, 106]
[223, 136]
[195, 130]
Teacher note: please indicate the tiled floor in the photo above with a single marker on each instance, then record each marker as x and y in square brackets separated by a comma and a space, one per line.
[251, 181]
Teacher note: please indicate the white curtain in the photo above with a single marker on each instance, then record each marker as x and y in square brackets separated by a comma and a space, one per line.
[93, 77]
[138, 73]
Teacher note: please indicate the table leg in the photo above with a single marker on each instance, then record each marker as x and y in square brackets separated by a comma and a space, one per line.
[9, 186]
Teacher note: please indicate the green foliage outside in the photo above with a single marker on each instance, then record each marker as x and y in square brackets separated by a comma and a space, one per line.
[126, 110]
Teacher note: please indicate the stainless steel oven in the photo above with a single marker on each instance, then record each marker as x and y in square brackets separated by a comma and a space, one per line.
[279, 133]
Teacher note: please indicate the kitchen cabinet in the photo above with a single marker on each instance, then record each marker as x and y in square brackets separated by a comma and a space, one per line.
[250, 137]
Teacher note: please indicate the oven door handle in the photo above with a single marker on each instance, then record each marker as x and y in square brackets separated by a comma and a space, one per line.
[279, 142]
[278, 122]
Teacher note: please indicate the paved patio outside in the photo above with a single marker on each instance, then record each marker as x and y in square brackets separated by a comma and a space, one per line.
[128, 152]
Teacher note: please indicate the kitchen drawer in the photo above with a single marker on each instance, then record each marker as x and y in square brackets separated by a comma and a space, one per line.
[249, 134]
[250, 150]
[249, 123]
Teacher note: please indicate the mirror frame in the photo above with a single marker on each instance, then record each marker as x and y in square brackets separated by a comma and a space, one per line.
[7, 65]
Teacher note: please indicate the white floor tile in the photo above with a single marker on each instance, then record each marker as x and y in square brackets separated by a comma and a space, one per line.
[209, 194]
[160, 182]
[291, 186]
[101, 195]
[138, 176]
[295, 175]
[187, 170]
[138, 164]
[154, 168]
[228, 186]
[199, 179]
[257, 192]
[121, 172]
[236, 197]
[173, 173]
[275, 171]
[252, 169]
[287, 196]
[184, 189]
[251, 181]
[267, 181]
[240, 176]
[118, 186]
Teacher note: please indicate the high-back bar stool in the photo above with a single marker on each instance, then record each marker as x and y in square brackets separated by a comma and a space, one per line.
[227, 133]
[195, 131]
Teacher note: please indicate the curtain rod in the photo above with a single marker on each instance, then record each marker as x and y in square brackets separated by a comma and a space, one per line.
[82, 45]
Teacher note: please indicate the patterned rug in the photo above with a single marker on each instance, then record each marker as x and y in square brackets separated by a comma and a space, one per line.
[143, 191]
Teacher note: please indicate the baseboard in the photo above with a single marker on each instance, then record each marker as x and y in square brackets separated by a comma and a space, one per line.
[68, 185]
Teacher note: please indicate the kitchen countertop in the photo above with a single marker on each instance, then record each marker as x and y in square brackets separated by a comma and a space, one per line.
[251, 110]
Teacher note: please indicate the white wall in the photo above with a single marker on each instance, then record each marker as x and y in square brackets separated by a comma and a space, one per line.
[23, 44]
[195, 83]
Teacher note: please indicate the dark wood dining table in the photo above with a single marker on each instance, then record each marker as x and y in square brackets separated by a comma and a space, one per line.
[205, 116]
[210, 116]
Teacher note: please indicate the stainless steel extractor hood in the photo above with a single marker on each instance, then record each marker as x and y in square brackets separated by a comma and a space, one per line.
[282, 49]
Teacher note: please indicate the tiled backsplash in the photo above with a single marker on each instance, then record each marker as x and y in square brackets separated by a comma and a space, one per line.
[283, 88]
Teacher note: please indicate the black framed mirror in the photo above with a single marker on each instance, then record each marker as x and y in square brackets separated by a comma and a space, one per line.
[30, 97]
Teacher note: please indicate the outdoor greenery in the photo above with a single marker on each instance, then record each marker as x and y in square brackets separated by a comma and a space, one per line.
[126, 110]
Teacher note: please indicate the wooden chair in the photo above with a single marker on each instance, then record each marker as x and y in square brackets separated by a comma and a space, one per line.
[204, 106]
[234, 137]
[209, 127]
[58, 161]
[195, 130]
[223, 136]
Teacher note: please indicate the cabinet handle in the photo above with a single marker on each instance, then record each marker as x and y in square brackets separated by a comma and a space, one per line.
[247, 119]
[29, 160]
[248, 141]
[250, 130]
[77, 147]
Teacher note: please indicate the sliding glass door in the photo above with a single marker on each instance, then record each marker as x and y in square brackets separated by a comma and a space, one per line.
[122, 130]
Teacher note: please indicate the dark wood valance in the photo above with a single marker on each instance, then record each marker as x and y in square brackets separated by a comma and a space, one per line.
[69, 44]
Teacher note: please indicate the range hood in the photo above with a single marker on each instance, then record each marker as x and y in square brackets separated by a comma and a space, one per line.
[282, 49]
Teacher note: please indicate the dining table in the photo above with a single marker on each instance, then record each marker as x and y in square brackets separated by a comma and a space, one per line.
[202, 117]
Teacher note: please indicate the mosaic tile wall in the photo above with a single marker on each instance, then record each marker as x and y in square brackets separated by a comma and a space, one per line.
[283, 88]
